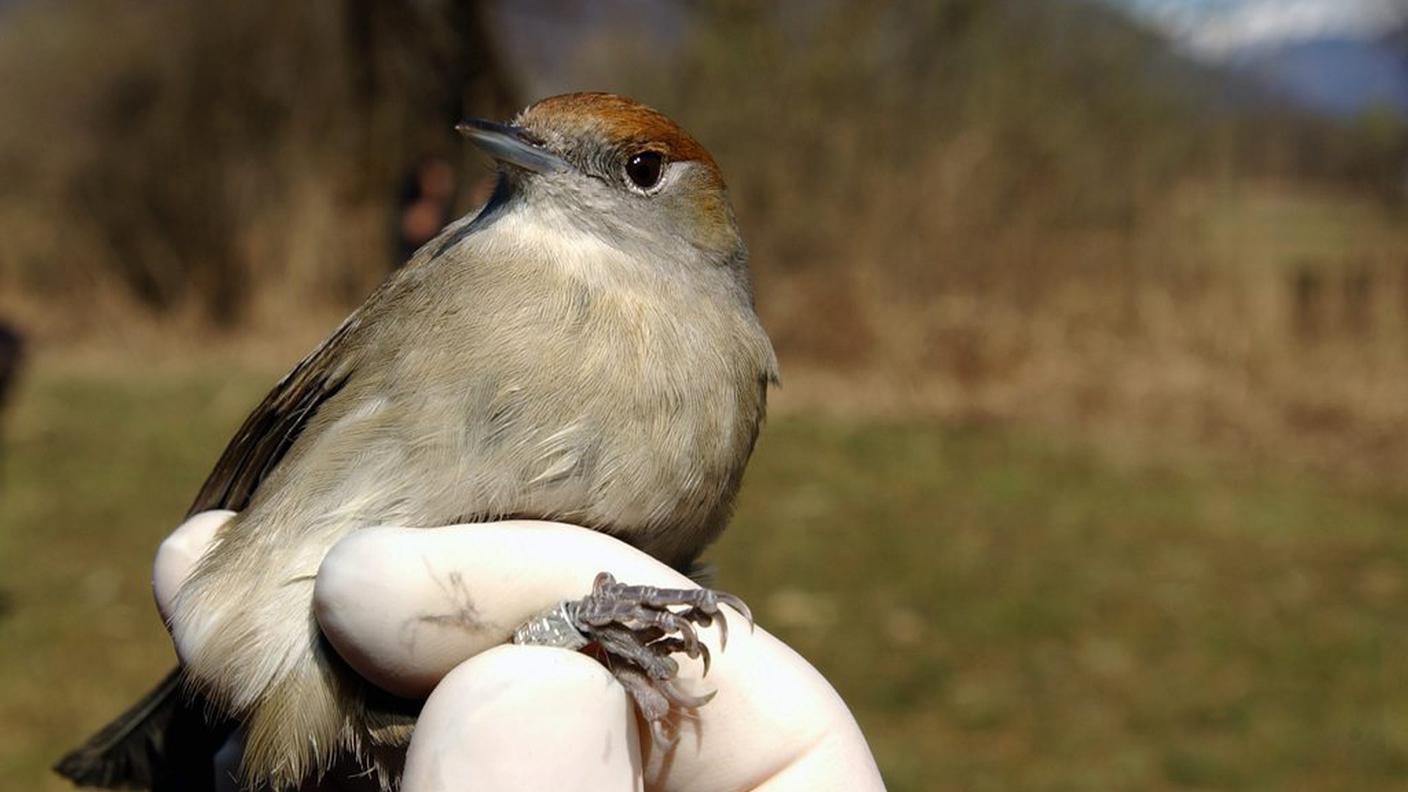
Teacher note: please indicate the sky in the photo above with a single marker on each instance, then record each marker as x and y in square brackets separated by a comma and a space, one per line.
[1219, 29]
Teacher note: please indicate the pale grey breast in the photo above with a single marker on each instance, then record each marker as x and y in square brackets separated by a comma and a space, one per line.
[571, 388]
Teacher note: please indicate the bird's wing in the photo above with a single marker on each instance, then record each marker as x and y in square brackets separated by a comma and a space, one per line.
[269, 432]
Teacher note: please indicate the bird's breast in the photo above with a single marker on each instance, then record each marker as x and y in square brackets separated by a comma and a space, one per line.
[566, 382]
[627, 405]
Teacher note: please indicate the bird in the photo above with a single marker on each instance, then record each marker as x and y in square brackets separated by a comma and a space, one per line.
[584, 348]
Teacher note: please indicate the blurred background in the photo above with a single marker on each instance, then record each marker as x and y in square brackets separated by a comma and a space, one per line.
[1090, 470]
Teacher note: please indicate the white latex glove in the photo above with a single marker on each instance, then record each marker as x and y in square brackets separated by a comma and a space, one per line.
[427, 613]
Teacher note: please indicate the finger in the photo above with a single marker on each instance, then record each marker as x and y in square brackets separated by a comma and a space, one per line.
[774, 724]
[178, 554]
[405, 606]
[525, 717]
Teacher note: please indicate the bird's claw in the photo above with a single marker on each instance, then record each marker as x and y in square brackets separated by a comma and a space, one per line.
[637, 632]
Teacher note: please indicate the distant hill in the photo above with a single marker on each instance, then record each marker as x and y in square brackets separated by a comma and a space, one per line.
[1336, 76]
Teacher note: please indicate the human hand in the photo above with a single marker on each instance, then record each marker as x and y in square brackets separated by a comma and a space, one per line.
[426, 613]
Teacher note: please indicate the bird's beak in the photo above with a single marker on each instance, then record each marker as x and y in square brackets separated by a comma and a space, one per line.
[512, 145]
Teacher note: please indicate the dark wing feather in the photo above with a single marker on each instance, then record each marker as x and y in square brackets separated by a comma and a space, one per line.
[269, 431]
[164, 742]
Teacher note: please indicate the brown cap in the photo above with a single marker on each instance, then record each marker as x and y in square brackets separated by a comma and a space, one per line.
[622, 121]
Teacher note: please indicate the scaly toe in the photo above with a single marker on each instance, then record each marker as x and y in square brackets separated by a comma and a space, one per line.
[637, 633]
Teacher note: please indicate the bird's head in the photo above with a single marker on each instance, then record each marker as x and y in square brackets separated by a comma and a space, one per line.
[617, 169]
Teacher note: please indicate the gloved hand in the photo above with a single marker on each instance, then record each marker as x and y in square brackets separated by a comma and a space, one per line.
[427, 613]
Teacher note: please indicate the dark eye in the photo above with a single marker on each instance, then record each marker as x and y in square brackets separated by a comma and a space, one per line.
[644, 169]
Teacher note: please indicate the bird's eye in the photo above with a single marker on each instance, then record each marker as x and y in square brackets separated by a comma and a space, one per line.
[644, 169]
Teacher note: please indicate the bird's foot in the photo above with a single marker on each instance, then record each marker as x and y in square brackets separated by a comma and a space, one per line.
[636, 629]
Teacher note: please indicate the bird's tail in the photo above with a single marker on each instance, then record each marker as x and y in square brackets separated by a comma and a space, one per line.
[163, 742]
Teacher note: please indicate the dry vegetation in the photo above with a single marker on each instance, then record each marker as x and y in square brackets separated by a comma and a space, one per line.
[1035, 212]
[981, 210]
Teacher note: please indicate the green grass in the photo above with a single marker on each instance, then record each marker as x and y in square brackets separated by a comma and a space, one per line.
[1001, 612]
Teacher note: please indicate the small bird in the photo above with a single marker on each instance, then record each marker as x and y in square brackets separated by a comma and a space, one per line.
[583, 349]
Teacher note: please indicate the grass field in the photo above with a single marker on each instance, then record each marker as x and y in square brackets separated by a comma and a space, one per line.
[1001, 611]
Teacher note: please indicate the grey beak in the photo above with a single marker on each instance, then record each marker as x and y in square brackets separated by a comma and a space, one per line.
[512, 145]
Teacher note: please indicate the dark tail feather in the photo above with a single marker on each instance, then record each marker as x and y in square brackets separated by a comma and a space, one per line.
[163, 742]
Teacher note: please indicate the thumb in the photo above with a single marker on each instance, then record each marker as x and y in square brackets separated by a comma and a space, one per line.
[178, 554]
